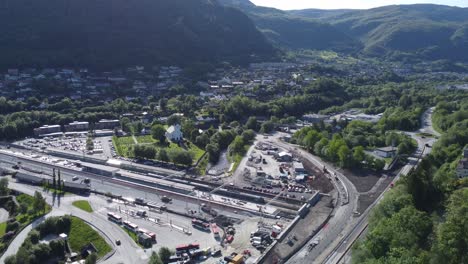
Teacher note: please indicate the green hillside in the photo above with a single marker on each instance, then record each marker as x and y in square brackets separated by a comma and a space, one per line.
[423, 31]
[290, 31]
[428, 32]
[113, 33]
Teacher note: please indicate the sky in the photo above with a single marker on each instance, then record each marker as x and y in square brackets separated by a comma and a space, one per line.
[354, 4]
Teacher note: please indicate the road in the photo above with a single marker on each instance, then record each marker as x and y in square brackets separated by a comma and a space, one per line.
[343, 214]
[127, 252]
[126, 189]
[341, 253]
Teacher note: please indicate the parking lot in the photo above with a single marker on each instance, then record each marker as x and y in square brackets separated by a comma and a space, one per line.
[173, 230]
[76, 143]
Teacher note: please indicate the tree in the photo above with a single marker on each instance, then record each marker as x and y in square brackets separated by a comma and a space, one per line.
[452, 235]
[4, 187]
[344, 155]
[125, 123]
[158, 132]
[359, 155]
[165, 254]
[11, 260]
[181, 157]
[267, 127]
[252, 123]
[163, 155]
[34, 236]
[213, 152]
[248, 135]
[91, 259]
[59, 183]
[202, 140]
[155, 259]
[54, 181]
[39, 203]
[237, 146]
[144, 151]
[173, 119]
[163, 104]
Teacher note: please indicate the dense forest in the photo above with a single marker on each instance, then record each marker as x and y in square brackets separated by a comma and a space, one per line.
[112, 34]
[423, 219]
[405, 32]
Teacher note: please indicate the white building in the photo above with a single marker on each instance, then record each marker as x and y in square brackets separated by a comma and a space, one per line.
[387, 152]
[462, 168]
[174, 133]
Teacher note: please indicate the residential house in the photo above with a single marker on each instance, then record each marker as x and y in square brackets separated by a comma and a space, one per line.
[386, 152]
[462, 168]
[174, 133]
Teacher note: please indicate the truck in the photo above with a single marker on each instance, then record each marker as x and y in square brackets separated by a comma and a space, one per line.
[141, 213]
[200, 225]
[140, 201]
[166, 199]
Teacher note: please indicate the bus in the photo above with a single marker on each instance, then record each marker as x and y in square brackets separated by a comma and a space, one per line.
[200, 224]
[130, 226]
[152, 235]
[187, 247]
[142, 231]
[114, 218]
[215, 230]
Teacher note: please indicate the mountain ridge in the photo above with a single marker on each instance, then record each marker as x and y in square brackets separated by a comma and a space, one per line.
[117, 33]
[420, 31]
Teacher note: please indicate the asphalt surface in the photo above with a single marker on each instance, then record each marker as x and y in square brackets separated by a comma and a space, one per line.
[343, 213]
[341, 254]
[127, 252]
[107, 184]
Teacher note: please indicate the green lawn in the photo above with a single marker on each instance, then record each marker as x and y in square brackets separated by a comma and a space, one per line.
[2, 228]
[123, 146]
[81, 234]
[83, 205]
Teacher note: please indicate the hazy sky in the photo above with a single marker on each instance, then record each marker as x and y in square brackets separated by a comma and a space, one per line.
[356, 4]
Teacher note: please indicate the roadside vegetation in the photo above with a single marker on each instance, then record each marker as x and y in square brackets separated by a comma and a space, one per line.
[424, 219]
[79, 235]
[21, 215]
[83, 205]
[351, 143]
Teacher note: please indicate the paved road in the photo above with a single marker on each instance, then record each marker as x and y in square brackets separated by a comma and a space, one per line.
[341, 254]
[127, 252]
[107, 184]
[343, 214]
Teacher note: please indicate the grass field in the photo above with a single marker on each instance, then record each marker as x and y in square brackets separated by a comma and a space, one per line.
[83, 205]
[81, 234]
[123, 146]
[2, 228]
